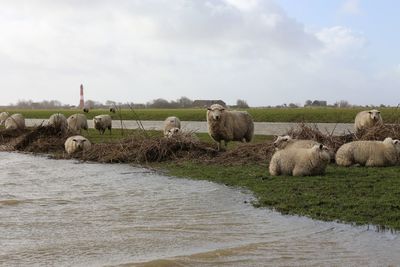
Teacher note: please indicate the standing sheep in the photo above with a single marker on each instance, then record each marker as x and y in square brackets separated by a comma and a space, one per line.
[3, 117]
[58, 121]
[229, 125]
[300, 161]
[367, 118]
[76, 143]
[369, 153]
[102, 122]
[15, 122]
[76, 122]
[171, 122]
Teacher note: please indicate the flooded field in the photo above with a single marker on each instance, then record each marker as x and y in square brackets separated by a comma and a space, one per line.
[65, 213]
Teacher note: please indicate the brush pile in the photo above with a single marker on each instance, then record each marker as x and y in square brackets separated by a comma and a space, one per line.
[140, 148]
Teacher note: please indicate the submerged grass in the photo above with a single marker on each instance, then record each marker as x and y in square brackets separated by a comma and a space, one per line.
[352, 195]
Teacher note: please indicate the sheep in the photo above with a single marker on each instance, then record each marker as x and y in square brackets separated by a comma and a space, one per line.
[102, 122]
[300, 161]
[229, 125]
[58, 121]
[179, 134]
[286, 141]
[15, 122]
[369, 153]
[3, 117]
[76, 143]
[86, 110]
[367, 118]
[76, 122]
[171, 122]
[112, 110]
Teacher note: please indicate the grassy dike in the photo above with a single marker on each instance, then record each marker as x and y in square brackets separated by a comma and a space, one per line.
[351, 195]
[332, 115]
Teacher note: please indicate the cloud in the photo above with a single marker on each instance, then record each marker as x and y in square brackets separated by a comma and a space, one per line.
[137, 51]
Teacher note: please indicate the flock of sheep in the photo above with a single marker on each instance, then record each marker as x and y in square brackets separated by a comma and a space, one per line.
[292, 156]
[74, 124]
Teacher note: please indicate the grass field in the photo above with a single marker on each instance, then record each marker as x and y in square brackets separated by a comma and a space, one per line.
[341, 115]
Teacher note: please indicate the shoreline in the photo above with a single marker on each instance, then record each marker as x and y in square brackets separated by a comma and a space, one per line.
[374, 191]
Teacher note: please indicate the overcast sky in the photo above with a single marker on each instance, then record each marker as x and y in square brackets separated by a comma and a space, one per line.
[266, 52]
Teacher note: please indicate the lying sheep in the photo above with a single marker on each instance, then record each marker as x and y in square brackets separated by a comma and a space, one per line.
[369, 153]
[367, 118]
[76, 122]
[179, 134]
[171, 122]
[76, 143]
[229, 125]
[58, 121]
[286, 141]
[102, 122]
[300, 161]
[3, 117]
[15, 122]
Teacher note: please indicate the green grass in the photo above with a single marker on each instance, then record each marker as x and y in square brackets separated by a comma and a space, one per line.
[334, 115]
[351, 195]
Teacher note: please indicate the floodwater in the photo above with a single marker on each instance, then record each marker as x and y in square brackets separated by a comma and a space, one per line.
[64, 213]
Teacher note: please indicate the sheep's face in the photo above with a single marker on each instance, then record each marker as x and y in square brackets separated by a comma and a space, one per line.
[173, 131]
[216, 111]
[79, 143]
[282, 141]
[396, 144]
[375, 115]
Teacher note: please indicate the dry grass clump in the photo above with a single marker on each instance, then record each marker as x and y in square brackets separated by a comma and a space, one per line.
[143, 149]
[379, 132]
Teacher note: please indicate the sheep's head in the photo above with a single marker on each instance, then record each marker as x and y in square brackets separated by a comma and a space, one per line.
[282, 141]
[173, 131]
[97, 119]
[79, 143]
[375, 114]
[323, 152]
[3, 117]
[215, 111]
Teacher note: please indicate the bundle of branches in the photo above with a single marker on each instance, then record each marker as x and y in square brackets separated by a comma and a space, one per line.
[142, 149]
[311, 132]
[6, 135]
[245, 153]
[379, 132]
[42, 139]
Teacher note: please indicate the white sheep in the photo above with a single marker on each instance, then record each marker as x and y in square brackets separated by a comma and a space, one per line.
[369, 153]
[179, 134]
[15, 122]
[171, 122]
[76, 122]
[76, 143]
[224, 125]
[102, 122]
[286, 141]
[300, 161]
[58, 121]
[367, 118]
[3, 117]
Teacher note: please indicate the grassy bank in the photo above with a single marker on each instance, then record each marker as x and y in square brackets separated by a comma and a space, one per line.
[352, 195]
[333, 115]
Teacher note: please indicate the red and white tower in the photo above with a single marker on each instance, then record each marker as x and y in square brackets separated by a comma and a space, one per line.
[82, 101]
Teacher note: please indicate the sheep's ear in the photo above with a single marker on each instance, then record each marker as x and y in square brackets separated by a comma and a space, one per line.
[209, 109]
[321, 146]
[74, 140]
[84, 140]
[396, 142]
[222, 109]
[369, 112]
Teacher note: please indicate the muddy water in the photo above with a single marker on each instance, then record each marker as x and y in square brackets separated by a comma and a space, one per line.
[63, 213]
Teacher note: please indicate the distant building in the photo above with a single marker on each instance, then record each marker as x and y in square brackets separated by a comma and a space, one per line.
[207, 103]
